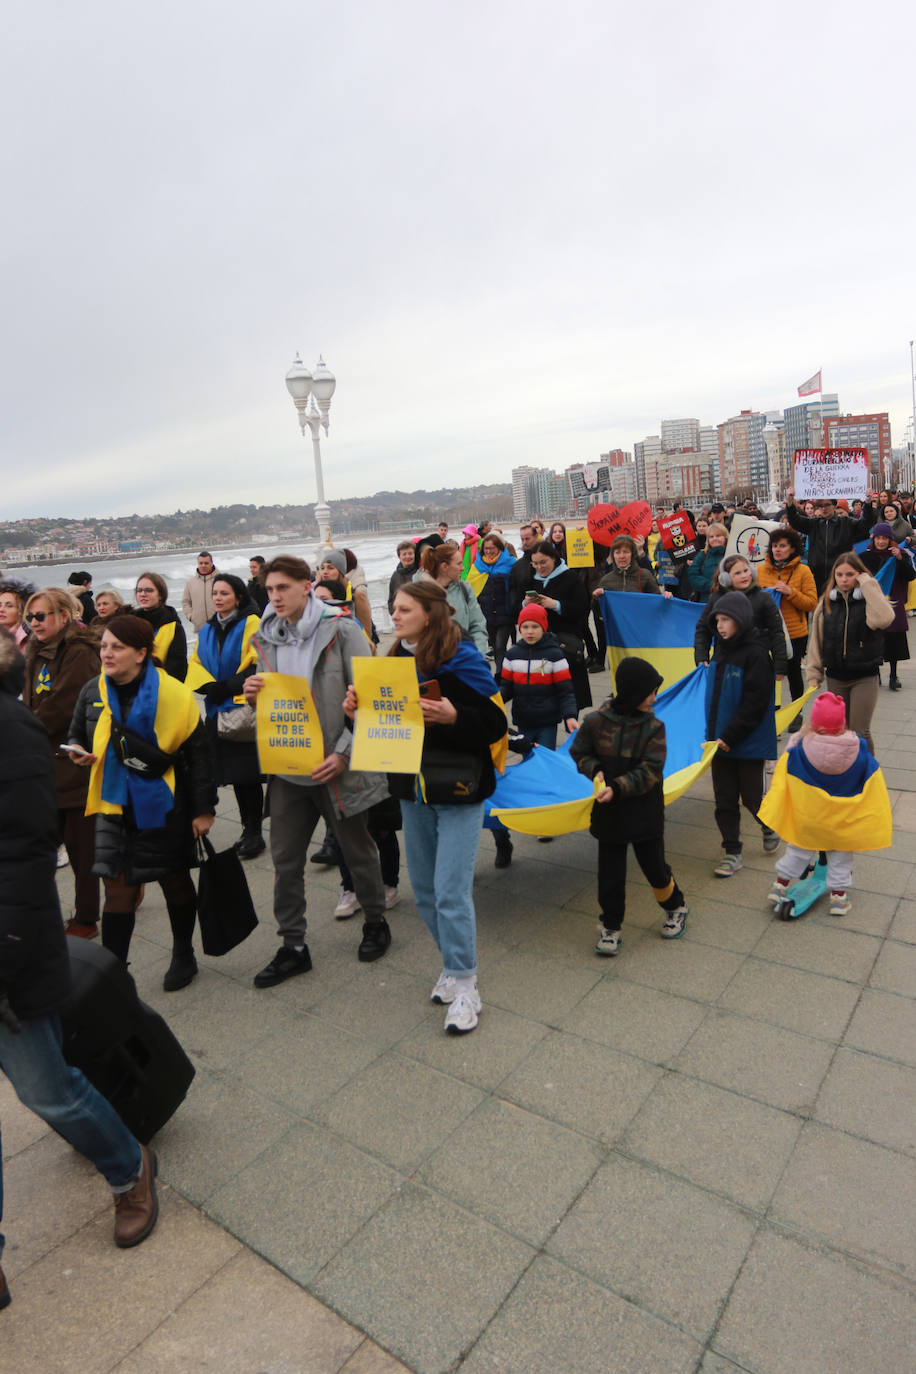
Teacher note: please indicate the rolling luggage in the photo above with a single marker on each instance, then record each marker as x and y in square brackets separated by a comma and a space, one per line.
[124, 1048]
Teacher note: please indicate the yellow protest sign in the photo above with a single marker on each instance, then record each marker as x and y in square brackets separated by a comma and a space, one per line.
[580, 550]
[289, 732]
[388, 730]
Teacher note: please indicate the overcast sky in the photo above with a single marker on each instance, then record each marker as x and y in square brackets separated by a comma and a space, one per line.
[517, 233]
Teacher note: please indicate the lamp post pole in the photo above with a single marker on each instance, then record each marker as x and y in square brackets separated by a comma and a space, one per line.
[911, 475]
[306, 388]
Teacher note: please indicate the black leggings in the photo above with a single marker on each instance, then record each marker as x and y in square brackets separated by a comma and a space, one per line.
[735, 781]
[612, 879]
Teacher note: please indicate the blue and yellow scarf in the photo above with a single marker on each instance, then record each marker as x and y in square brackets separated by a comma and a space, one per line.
[212, 663]
[163, 712]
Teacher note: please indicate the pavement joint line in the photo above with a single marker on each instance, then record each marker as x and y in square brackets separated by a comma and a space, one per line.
[868, 1266]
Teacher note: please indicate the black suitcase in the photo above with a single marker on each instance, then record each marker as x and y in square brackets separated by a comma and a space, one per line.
[124, 1048]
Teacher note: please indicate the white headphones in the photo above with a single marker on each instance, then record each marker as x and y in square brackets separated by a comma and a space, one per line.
[857, 594]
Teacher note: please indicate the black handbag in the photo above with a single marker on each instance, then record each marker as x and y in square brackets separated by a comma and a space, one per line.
[452, 778]
[224, 907]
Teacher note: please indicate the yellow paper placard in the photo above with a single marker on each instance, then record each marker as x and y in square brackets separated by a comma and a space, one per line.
[388, 730]
[580, 549]
[289, 731]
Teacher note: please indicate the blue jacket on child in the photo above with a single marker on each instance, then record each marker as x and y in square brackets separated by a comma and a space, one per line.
[740, 687]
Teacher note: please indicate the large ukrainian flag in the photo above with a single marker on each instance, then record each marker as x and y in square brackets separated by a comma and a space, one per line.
[656, 628]
[814, 810]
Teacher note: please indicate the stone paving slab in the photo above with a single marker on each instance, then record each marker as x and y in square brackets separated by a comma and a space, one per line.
[697, 1156]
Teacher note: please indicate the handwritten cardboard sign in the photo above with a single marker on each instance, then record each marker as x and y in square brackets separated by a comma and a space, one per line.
[388, 730]
[831, 473]
[288, 729]
[606, 522]
[580, 549]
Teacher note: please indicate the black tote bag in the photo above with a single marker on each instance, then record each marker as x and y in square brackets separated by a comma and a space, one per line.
[224, 907]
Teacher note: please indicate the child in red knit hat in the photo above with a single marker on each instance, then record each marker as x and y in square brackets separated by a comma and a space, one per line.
[535, 677]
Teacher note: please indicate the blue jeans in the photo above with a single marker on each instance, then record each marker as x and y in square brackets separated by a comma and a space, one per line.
[544, 735]
[441, 844]
[63, 1097]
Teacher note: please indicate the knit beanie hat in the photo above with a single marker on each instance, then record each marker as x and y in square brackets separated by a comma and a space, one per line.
[634, 680]
[335, 556]
[534, 612]
[884, 528]
[737, 607]
[828, 714]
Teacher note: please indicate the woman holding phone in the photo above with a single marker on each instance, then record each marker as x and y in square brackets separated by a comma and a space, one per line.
[442, 805]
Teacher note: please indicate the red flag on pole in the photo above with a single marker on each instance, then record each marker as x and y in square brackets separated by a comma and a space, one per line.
[812, 385]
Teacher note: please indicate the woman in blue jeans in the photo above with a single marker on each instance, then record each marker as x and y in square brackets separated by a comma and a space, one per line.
[442, 806]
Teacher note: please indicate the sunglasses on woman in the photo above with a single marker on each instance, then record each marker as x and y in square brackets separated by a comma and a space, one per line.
[40, 616]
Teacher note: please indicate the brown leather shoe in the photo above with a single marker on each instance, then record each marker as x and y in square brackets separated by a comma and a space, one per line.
[136, 1211]
[5, 1298]
[83, 930]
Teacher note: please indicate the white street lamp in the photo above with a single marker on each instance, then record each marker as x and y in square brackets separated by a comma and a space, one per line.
[307, 388]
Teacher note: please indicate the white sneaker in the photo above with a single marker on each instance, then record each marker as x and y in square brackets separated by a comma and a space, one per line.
[347, 906]
[608, 941]
[444, 991]
[840, 904]
[777, 892]
[62, 856]
[675, 922]
[461, 1016]
[392, 897]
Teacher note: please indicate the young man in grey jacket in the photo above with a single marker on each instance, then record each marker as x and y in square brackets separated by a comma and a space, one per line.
[310, 638]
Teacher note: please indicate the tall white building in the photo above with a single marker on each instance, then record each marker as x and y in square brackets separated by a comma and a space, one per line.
[680, 434]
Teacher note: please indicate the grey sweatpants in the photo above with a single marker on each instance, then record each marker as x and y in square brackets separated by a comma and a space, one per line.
[294, 813]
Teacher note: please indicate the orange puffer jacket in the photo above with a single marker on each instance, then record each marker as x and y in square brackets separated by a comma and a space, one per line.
[795, 604]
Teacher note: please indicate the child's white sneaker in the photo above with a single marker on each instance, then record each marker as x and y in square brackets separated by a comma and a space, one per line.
[608, 941]
[728, 866]
[840, 904]
[778, 891]
[675, 922]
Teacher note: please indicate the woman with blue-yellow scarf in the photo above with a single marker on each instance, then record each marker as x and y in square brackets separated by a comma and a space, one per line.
[151, 788]
[217, 670]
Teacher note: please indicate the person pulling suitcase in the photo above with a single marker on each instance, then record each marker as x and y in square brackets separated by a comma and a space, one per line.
[35, 973]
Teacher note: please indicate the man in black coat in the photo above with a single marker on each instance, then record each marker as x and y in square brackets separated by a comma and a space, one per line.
[522, 575]
[35, 971]
[829, 534]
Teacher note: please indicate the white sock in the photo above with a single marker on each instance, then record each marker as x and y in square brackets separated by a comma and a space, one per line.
[468, 985]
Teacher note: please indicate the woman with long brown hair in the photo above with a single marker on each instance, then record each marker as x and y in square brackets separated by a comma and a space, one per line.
[170, 645]
[846, 640]
[442, 806]
[443, 565]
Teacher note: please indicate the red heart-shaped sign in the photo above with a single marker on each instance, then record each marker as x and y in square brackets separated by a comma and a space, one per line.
[606, 522]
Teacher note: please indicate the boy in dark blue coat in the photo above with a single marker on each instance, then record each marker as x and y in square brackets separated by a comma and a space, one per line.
[740, 687]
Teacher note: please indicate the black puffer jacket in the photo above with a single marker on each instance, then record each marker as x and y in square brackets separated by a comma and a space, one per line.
[145, 855]
[175, 661]
[34, 967]
[767, 623]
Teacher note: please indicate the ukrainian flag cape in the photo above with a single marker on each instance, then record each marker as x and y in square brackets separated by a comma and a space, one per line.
[209, 663]
[814, 810]
[165, 713]
[651, 627]
[885, 574]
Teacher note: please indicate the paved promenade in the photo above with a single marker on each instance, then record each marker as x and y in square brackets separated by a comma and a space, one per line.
[696, 1157]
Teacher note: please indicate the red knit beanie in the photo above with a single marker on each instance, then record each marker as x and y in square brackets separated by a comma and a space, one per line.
[828, 714]
[534, 612]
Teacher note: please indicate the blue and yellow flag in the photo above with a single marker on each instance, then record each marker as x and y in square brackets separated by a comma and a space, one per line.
[655, 628]
[814, 810]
